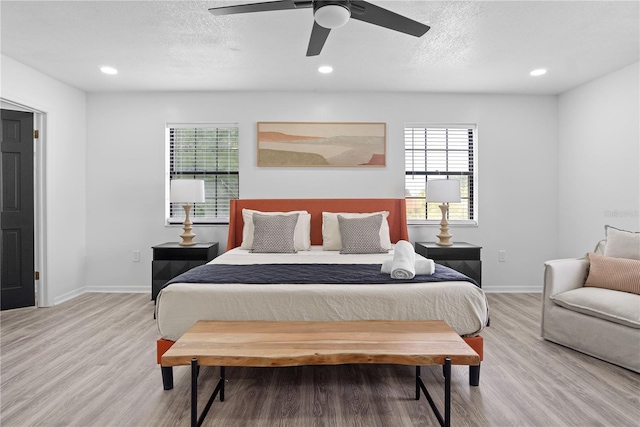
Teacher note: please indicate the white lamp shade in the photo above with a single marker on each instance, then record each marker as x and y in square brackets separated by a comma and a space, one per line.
[332, 16]
[443, 190]
[187, 191]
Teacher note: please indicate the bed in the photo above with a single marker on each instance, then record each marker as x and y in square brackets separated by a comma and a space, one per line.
[241, 285]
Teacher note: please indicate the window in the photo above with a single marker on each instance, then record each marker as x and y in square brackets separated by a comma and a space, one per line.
[208, 152]
[440, 152]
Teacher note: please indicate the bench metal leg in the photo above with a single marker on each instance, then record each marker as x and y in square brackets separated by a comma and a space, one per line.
[195, 420]
[474, 375]
[194, 392]
[446, 420]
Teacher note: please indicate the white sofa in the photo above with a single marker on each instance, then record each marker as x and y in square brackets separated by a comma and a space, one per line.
[600, 322]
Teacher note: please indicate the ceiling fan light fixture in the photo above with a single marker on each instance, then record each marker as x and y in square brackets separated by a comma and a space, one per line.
[332, 15]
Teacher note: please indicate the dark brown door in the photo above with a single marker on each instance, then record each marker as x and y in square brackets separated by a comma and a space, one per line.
[16, 210]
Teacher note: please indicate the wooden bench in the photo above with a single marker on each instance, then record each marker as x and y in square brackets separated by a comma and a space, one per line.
[273, 344]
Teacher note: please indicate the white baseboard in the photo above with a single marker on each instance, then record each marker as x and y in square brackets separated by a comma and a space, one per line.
[119, 289]
[68, 296]
[102, 289]
[512, 289]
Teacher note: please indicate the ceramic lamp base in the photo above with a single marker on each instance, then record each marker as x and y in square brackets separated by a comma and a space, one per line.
[444, 238]
[187, 235]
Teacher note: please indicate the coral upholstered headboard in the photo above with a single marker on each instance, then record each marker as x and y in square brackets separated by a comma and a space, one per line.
[396, 207]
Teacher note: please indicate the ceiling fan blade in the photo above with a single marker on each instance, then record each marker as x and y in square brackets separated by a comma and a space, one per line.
[261, 7]
[367, 12]
[319, 35]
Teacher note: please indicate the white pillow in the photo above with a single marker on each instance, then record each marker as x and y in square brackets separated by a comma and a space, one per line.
[331, 240]
[621, 243]
[302, 233]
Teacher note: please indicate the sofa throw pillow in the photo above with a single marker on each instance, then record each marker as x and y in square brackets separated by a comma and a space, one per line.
[274, 233]
[302, 233]
[331, 240]
[621, 243]
[361, 235]
[619, 274]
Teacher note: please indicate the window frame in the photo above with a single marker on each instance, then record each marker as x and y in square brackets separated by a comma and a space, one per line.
[473, 176]
[169, 220]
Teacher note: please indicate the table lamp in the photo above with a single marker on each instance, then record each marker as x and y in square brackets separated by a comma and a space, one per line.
[187, 191]
[443, 191]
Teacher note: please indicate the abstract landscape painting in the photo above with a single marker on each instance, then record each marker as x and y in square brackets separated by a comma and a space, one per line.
[295, 144]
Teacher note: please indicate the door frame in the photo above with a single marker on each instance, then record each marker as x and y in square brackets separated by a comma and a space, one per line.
[43, 297]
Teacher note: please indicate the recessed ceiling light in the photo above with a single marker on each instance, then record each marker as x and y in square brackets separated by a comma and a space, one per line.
[538, 72]
[108, 70]
[325, 69]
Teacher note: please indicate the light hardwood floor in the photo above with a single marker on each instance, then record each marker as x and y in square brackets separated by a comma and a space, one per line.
[91, 362]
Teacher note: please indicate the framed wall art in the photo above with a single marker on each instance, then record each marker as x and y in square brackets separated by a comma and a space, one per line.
[308, 144]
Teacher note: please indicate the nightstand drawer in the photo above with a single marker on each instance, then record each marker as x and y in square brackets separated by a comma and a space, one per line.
[174, 252]
[171, 260]
[461, 256]
[471, 268]
[456, 251]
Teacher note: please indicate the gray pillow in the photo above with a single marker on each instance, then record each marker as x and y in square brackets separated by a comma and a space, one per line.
[361, 235]
[274, 233]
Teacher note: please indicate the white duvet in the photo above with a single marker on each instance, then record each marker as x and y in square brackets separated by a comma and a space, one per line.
[178, 306]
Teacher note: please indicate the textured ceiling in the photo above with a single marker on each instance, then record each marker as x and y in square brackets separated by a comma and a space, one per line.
[478, 46]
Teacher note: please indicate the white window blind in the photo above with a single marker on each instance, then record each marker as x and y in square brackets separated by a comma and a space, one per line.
[208, 152]
[440, 152]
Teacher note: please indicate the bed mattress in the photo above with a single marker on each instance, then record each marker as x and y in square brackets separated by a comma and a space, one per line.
[461, 304]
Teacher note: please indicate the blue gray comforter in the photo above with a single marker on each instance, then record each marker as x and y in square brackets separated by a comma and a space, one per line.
[307, 274]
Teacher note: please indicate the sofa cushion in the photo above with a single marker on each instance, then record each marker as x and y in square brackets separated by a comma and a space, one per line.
[621, 243]
[615, 306]
[619, 274]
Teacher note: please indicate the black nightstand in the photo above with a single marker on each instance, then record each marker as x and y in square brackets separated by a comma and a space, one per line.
[461, 256]
[171, 259]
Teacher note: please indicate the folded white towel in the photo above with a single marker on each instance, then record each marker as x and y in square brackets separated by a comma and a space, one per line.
[424, 266]
[404, 261]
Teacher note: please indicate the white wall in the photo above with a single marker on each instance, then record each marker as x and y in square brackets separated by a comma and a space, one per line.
[599, 160]
[552, 171]
[126, 158]
[64, 174]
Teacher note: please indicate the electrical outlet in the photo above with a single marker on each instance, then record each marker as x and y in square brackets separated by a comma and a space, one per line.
[136, 256]
[502, 255]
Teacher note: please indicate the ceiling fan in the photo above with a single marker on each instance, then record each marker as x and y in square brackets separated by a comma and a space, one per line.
[330, 14]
